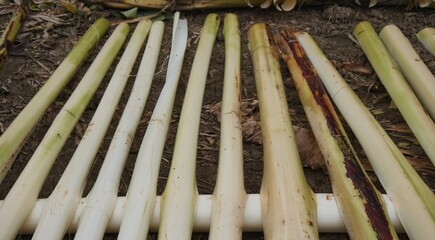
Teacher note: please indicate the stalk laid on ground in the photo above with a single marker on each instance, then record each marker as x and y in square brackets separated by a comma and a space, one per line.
[141, 195]
[413, 68]
[65, 198]
[229, 194]
[287, 202]
[180, 195]
[285, 5]
[328, 215]
[413, 200]
[427, 38]
[13, 137]
[8, 37]
[102, 198]
[388, 72]
[360, 203]
[23, 195]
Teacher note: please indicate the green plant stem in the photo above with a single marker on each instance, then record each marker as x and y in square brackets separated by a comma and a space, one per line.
[13, 138]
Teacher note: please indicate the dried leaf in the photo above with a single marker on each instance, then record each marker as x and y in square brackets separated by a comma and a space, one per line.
[309, 150]
[357, 68]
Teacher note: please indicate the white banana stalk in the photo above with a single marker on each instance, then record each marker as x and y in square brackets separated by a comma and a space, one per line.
[229, 194]
[23, 195]
[142, 192]
[360, 203]
[415, 71]
[388, 72]
[413, 200]
[65, 198]
[102, 198]
[288, 204]
[180, 195]
[14, 136]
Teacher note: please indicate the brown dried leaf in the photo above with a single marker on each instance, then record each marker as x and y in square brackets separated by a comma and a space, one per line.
[309, 150]
[357, 68]
[252, 130]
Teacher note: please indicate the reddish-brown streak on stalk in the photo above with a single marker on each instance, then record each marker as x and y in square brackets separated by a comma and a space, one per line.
[291, 49]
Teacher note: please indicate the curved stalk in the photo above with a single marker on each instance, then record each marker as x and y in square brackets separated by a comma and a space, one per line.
[23, 195]
[413, 200]
[102, 198]
[141, 195]
[180, 195]
[287, 202]
[12, 139]
[66, 196]
[229, 194]
[360, 203]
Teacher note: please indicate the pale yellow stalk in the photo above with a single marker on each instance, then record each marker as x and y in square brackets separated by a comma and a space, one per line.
[181, 193]
[229, 194]
[12, 139]
[23, 195]
[388, 72]
[427, 38]
[413, 200]
[360, 204]
[141, 194]
[287, 202]
[413, 68]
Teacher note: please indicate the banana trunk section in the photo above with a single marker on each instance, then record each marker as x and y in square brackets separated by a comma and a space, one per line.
[360, 204]
[288, 205]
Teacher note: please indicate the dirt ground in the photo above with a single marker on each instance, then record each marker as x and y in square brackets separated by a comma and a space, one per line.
[50, 32]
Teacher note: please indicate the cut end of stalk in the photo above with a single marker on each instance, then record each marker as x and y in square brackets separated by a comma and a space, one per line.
[424, 3]
[362, 27]
[288, 5]
[427, 38]
[266, 4]
[211, 24]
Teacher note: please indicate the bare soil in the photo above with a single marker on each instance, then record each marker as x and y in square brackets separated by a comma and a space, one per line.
[44, 42]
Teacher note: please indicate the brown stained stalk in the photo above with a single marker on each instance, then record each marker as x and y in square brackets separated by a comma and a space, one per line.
[288, 205]
[8, 37]
[313, 96]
